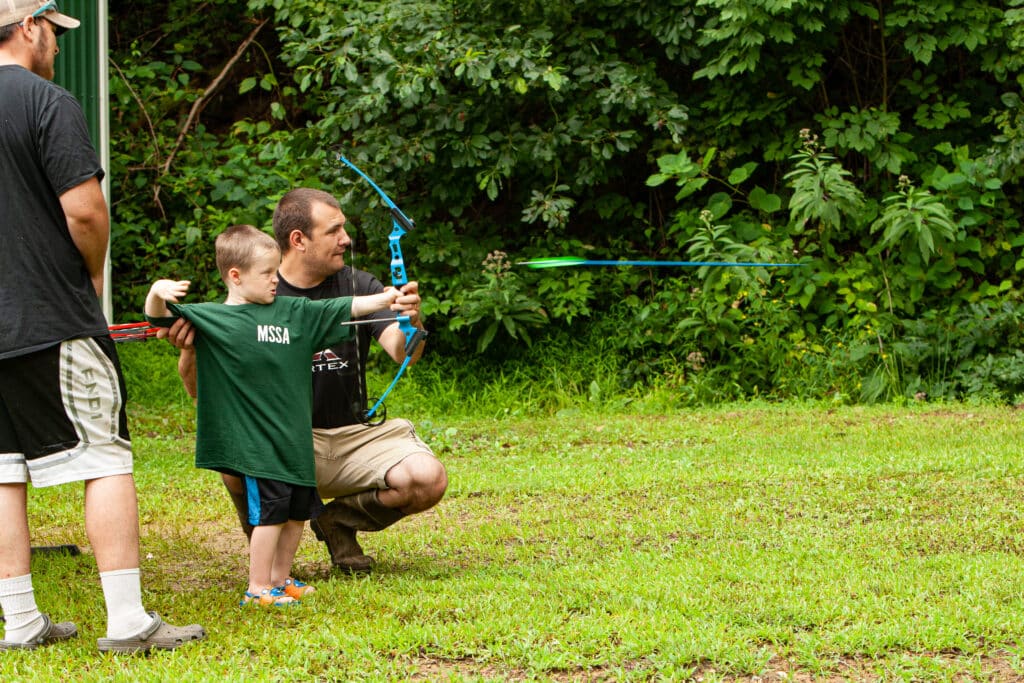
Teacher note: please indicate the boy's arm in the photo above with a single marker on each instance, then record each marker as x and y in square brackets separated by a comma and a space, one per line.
[364, 305]
[160, 293]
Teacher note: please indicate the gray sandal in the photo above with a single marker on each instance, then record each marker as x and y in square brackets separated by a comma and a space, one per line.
[158, 635]
[50, 633]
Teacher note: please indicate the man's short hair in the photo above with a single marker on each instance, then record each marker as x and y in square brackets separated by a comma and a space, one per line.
[239, 246]
[295, 212]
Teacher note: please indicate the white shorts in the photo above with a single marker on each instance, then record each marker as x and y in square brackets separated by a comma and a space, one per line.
[62, 415]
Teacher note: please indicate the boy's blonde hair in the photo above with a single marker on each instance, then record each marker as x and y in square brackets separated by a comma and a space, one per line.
[239, 246]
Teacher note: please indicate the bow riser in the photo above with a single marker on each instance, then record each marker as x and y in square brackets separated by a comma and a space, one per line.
[398, 274]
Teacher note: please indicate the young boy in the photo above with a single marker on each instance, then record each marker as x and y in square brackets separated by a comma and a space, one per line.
[252, 351]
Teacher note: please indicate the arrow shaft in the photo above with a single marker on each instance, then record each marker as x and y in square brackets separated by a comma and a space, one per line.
[371, 321]
[567, 262]
[684, 264]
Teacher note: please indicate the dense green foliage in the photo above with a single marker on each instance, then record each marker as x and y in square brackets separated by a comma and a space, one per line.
[875, 143]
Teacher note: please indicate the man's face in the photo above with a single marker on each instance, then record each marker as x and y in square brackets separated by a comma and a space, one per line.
[325, 249]
[45, 48]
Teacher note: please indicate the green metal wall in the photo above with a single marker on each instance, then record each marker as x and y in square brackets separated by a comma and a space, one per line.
[77, 65]
[81, 67]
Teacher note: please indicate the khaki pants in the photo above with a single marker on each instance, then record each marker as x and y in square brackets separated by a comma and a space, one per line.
[356, 458]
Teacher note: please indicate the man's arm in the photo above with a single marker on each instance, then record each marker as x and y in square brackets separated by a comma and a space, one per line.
[182, 336]
[89, 224]
[187, 371]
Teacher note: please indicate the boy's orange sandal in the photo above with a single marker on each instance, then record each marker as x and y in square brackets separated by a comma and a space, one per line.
[269, 597]
[296, 589]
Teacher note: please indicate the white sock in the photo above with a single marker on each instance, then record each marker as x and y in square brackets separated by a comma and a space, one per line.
[21, 616]
[122, 590]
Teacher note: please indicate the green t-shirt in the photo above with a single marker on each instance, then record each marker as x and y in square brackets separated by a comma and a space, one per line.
[255, 390]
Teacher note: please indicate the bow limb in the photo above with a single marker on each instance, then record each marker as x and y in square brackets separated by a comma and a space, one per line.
[400, 224]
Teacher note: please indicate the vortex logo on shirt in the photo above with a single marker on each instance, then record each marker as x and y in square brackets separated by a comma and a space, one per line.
[328, 360]
[272, 334]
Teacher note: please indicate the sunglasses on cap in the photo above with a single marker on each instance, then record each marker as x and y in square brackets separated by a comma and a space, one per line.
[48, 7]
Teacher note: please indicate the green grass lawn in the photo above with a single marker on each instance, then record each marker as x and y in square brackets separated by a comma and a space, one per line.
[739, 543]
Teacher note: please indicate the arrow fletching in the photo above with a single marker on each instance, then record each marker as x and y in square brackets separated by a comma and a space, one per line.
[132, 332]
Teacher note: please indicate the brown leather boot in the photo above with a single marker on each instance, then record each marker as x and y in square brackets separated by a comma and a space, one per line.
[342, 517]
[346, 553]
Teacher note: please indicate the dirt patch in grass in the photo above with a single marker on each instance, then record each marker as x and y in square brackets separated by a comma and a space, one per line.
[996, 669]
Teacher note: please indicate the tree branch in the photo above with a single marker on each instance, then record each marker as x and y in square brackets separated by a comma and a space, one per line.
[149, 124]
[215, 85]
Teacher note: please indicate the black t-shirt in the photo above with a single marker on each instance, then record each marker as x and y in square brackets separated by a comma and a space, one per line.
[339, 383]
[46, 295]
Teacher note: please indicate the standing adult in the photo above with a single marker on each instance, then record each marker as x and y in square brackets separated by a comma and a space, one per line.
[375, 475]
[62, 416]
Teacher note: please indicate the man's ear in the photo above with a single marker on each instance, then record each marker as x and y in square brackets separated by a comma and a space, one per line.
[27, 25]
[32, 23]
[234, 274]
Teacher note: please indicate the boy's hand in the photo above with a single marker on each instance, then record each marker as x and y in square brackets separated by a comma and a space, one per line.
[364, 305]
[170, 290]
[160, 293]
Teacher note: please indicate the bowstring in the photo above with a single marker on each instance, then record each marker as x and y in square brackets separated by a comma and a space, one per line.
[360, 381]
[364, 399]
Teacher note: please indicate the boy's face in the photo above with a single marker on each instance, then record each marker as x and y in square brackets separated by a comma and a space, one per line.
[258, 283]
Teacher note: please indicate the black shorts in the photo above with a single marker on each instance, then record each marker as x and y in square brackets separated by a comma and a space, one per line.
[275, 502]
[62, 415]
